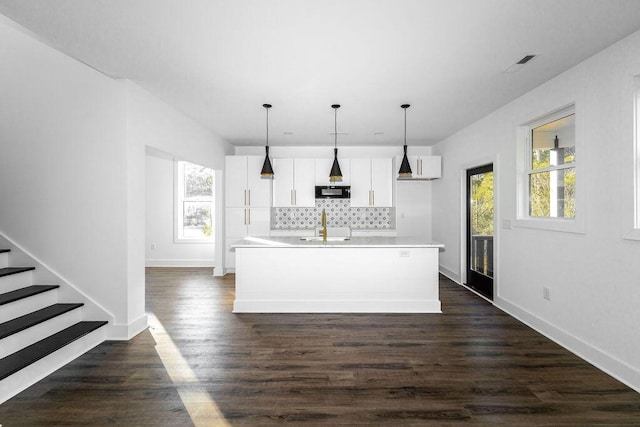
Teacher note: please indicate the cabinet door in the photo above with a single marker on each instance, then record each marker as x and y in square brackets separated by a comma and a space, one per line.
[431, 167]
[259, 189]
[235, 180]
[235, 222]
[258, 221]
[360, 182]
[282, 183]
[304, 182]
[382, 182]
[323, 167]
[414, 162]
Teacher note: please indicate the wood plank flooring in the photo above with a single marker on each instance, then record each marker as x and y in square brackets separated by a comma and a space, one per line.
[199, 364]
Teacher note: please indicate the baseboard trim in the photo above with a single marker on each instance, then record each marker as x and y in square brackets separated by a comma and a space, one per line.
[124, 332]
[607, 363]
[179, 263]
[336, 306]
[450, 274]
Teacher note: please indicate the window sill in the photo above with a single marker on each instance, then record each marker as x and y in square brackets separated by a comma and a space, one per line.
[552, 224]
[193, 241]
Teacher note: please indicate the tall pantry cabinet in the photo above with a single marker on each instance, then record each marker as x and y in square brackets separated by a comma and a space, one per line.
[247, 202]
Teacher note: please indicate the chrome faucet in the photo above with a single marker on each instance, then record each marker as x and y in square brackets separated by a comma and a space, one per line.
[324, 226]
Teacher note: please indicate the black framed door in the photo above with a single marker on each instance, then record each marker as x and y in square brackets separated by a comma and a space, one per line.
[480, 212]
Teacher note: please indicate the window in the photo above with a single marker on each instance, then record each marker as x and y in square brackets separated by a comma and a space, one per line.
[194, 202]
[547, 173]
[636, 155]
[552, 174]
[636, 161]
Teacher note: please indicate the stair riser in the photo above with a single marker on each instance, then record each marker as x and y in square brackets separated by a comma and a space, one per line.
[27, 305]
[22, 339]
[16, 281]
[19, 381]
[4, 259]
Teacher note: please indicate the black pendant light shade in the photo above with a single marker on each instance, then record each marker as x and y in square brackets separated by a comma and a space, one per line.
[405, 167]
[267, 169]
[336, 173]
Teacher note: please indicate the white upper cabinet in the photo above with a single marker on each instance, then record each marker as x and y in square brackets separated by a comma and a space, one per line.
[323, 168]
[426, 167]
[372, 182]
[294, 182]
[244, 186]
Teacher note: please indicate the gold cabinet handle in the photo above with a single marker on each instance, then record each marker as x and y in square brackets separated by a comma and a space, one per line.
[245, 216]
[249, 222]
[249, 193]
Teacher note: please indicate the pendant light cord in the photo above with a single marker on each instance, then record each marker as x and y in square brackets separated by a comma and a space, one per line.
[335, 127]
[405, 126]
[268, 126]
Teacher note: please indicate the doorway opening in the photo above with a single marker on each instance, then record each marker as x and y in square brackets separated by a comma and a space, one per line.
[480, 215]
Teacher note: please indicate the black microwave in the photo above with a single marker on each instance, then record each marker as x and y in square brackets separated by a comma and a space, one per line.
[333, 192]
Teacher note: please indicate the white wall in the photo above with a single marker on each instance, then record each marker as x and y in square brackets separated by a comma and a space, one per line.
[152, 123]
[72, 170]
[63, 154]
[160, 220]
[593, 277]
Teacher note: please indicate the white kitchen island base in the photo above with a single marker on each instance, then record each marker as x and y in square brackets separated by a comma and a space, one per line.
[381, 275]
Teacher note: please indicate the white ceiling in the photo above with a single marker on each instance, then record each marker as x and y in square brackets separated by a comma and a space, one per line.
[218, 61]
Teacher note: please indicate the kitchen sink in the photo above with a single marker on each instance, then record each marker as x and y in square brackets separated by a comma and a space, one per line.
[329, 239]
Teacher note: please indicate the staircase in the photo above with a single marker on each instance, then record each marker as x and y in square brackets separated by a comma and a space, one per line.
[38, 333]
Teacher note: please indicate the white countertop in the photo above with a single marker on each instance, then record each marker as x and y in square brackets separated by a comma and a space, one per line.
[353, 242]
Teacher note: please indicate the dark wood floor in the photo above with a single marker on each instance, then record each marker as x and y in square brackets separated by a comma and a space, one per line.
[199, 364]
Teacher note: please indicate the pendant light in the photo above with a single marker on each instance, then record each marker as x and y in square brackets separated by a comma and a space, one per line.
[267, 170]
[336, 173]
[405, 167]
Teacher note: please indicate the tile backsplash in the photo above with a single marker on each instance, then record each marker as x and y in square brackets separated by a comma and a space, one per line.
[339, 214]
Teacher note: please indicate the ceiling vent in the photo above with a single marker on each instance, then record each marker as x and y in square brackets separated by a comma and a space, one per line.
[521, 63]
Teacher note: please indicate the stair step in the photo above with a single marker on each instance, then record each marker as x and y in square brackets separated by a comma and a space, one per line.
[29, 291]
[28, 320]
[8, 271]
[31, 354]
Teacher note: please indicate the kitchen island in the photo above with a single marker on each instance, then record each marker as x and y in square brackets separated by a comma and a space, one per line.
[358, 275]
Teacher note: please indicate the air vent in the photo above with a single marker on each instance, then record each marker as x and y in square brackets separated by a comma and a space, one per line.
[526, 59]
[518, 65]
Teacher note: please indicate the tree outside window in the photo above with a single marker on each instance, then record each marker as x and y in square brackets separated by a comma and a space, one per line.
[195, 202]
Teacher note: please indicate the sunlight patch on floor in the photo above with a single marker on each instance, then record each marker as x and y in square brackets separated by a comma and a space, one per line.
[201, 408]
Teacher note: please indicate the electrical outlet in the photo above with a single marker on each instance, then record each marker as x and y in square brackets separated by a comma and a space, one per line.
[404, 254]
[546, 293]
[506, 224]
[154, 246]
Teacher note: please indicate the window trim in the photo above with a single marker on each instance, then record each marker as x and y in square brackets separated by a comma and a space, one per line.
[632, 209]
[524, 169]
[178, 201]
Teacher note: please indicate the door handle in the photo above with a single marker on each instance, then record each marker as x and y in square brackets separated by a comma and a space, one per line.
[245, 216]
[245, 197]
[249, 222]
[291, 197]
[249, 192]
